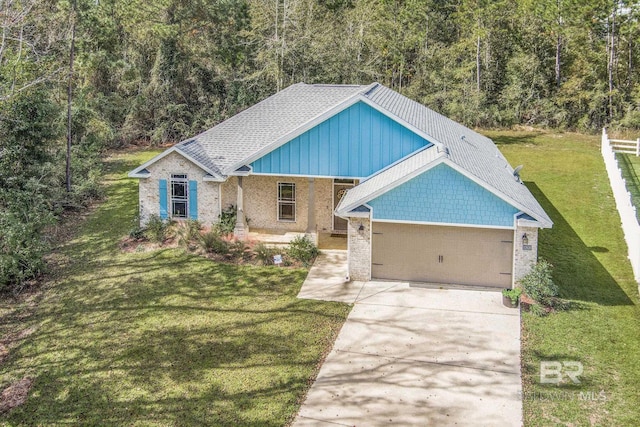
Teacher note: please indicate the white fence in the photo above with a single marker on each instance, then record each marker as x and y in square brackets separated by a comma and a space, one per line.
[627, 211]
[625, 146]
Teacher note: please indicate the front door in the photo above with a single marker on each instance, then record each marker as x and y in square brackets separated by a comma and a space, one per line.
[340, 187]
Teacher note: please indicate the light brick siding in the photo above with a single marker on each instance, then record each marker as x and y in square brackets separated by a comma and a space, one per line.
[359, 249]
[208, 205]
[261, 196]
[523, 259]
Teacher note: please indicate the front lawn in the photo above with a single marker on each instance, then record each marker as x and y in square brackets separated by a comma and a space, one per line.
[586, 245]
[161, 337]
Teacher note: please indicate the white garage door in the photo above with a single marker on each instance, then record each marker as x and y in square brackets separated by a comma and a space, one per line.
[437, 254]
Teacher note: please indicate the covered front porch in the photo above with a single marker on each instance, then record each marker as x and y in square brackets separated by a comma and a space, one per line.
[276, 209]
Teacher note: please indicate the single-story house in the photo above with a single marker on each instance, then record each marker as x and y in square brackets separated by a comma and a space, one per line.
[419, 196]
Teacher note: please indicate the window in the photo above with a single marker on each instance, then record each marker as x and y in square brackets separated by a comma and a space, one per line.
[179, 195]
[286, 201]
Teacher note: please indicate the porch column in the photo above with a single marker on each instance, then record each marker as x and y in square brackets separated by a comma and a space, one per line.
[311, 211]
[240, 231]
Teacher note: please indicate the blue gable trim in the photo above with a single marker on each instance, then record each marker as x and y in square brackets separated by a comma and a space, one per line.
[354, 143]
[443, 195]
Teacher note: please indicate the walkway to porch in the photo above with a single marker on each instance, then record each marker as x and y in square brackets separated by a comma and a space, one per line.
[274, 237]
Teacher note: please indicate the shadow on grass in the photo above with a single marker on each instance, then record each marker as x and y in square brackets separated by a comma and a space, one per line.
[527, 138]
[578, 273]
[630, 175]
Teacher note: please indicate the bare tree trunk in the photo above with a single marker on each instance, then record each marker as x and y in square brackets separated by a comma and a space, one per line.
[478, 64]
[611, 60]
[558, 52]
[70, 95]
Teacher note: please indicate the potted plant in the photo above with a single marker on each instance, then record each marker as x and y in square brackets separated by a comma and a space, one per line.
[510, 297]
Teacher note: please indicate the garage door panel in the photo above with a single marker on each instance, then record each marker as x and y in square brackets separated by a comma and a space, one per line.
[441, 254]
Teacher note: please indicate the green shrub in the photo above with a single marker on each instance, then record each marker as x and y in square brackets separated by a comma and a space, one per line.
[136, 232]
[227, 220]
[512, 294]
[265, 253]
[538, 310]
[188, 231]
[538, 283]
[157, 228]
[239, 250]
[22, 246]
[303, 249]
[213, 243]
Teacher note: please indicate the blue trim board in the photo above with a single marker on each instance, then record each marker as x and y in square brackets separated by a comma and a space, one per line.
[193, 199]
[356, 142]
[443, 195]
[162, 188]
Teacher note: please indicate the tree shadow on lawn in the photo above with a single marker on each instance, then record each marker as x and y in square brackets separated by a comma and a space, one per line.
[578, 273]
[223, 344]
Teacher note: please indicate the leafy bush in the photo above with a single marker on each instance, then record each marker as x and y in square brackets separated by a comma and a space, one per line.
[227, 220]
[212, 242]
[512, 294]
[188, 231]
[265, 253]
[136, 232]
[156, 229]
[303, 249]
[538, 283]
[22, 246]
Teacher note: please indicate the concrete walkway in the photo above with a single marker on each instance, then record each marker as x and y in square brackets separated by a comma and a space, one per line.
[414, 356]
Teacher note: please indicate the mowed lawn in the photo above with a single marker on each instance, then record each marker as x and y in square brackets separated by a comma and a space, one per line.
[162, 337]
[586, 246]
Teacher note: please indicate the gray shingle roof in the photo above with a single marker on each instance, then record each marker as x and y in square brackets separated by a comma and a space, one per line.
[260, 125]
[260, 128]
[473, 152]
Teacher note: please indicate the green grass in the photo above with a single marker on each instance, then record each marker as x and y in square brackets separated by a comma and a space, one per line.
[630, 167]
[602, 329]
[163, 337]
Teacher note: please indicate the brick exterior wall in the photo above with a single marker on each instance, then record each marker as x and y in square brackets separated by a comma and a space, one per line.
[523, 259]
[261, 196]
[149, 196]
[359, 249]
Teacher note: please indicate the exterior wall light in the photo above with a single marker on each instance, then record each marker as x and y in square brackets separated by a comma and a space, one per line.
[361, 228]
[525, 239]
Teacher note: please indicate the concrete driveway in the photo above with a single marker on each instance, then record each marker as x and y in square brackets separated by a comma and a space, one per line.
[415, 356]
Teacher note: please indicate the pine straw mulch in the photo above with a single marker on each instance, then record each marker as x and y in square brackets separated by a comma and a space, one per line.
[245, 257]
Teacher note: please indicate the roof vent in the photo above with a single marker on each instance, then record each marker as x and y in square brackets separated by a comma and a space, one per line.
[516, 173]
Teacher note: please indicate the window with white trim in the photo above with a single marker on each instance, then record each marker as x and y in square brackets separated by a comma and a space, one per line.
[286, 201]
[179, 195]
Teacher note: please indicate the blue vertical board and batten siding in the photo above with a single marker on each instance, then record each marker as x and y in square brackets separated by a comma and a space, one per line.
[354, 143]
[443, 195]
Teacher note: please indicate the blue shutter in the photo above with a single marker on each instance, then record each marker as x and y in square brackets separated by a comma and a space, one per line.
[193, 199]
[162, 185]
